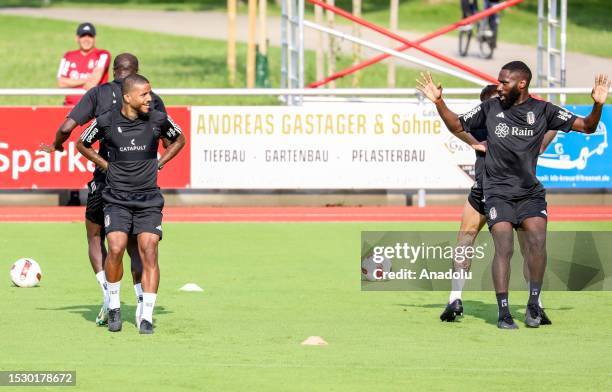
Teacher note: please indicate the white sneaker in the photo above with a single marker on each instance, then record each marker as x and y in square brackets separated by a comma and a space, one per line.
[138, 313]
[102, 317]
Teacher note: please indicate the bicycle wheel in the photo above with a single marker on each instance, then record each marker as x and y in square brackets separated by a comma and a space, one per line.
[487, 46]
[464, 42]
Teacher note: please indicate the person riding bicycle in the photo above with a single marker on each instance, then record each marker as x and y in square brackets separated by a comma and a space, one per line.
[470, 7]
[493, 19]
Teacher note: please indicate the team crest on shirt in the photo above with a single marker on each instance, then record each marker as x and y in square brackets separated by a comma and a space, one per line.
[530, 118]
[492, 213]
[501, 130]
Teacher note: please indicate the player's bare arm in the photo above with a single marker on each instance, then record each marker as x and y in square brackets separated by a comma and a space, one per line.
[433, 92]
[90, 154]
[172, 150]
[599, 94]
[62, 134]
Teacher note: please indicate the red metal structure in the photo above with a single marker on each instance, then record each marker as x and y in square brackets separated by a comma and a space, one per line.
[411, 44]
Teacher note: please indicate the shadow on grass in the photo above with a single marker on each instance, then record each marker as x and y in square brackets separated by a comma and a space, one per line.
[366, 6]
[205, 65]
[89, 312]
[168, 5]
[485, 311]
[20, 3]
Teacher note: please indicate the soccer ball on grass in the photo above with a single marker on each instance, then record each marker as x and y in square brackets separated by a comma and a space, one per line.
[25, 273]
[373, 271]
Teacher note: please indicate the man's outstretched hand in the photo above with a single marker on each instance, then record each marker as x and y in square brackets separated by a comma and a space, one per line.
[49, 148]
[600, 90]
[426, 85]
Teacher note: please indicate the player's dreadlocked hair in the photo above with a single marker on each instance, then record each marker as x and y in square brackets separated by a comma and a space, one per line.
[488, 92]
[519, 66]
[131, 81]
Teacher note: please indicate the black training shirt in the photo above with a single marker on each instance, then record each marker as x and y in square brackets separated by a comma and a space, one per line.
[103, 98]
[480, 135]
[100, 100]
[131, 147]
[514, 138]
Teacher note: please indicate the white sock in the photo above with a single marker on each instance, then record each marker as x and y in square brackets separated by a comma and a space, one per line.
[101, 278]
[148, 303]
[113, 295]
[539, 296]
[138, 292]
[457, 288]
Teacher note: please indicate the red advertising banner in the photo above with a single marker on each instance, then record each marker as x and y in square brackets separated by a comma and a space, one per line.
[22, 166]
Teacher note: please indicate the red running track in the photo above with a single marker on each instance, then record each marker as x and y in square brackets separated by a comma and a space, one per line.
[298, 214]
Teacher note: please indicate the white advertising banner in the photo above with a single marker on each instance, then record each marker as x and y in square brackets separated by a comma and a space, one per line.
[348, 146]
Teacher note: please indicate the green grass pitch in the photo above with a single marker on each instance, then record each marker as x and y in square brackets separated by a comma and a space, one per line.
[267, 287]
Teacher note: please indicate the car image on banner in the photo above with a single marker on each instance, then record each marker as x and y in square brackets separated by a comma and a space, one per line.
[573, 150]
[577, 160]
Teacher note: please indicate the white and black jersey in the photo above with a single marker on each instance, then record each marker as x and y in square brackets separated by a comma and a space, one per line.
[514, 139]
[131, 147]
[100, 100]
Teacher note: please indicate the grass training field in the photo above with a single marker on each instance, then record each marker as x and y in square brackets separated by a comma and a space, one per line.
[267, 287]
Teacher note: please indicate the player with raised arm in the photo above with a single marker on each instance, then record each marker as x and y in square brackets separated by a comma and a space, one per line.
[133, 202]
[473, 220]
[96, 102]
[514, 198]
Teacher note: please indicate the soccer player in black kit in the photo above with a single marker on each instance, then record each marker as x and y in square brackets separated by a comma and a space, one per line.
[94, 103]
[514, 198]
[473, 219]
[132, 200]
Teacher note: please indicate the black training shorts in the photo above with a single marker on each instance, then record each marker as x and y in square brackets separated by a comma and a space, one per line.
[476, 197]
[515, 211]
[133, 212]
[94, 211]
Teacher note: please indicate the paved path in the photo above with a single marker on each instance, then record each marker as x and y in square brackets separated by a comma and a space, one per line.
[581, 68]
